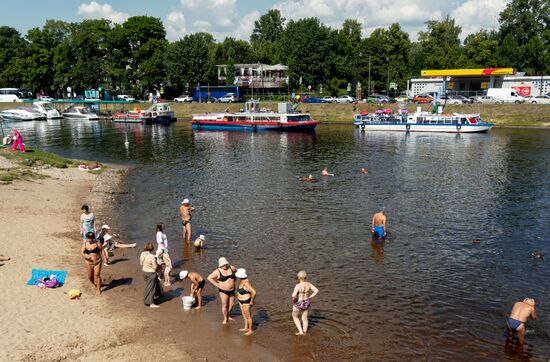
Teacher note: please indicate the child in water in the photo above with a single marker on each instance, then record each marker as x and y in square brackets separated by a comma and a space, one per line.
[199, 243]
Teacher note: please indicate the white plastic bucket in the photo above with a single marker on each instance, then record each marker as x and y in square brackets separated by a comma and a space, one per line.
[188, 302]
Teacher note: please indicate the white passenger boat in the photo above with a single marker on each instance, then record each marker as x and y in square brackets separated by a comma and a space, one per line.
[46, 109]
[22, 114]
[79, 113]
[386, 120]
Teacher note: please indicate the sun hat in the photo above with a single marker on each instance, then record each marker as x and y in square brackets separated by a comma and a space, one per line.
[183, 274]
[241, 273]
[202, 237]
[185, 201]
[222, 261]
[107, 237]
[105, 227]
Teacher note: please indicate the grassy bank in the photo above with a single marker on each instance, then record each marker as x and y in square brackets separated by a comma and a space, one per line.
[23, 165]
[520, 115]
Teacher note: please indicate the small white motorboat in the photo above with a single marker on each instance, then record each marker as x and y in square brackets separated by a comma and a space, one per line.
[22, 114]
[46, 109]
[79, 113]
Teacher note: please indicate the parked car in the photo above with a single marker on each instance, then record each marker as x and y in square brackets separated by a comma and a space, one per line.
[125, 97]
[312, 100]
[486, 100]
[45, 98]
[183, 99]
[379, 98]
[422, 98]
[402, 99]
[329, 99]
[345, 99]
[449, 100]
[207, 100]
[462, 98]
[228, 98]
[538, 99]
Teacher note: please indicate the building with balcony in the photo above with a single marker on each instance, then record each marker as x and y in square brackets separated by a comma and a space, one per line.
[256, 77]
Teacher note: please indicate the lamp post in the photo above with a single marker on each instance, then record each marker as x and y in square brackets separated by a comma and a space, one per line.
[388, 82]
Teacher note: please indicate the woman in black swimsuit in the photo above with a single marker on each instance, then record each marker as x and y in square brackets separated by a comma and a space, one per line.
[246, 295]
[224, 279]
[91, 251]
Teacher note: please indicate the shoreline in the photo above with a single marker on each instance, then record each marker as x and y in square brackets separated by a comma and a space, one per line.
[45, 325]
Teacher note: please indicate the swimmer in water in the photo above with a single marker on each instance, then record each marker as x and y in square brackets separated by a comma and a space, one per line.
[310, 178]
[364, 171]
[518, 318]
[379, 224]
[326, 173]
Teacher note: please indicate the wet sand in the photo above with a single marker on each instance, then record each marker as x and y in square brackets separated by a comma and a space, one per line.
[39, 229]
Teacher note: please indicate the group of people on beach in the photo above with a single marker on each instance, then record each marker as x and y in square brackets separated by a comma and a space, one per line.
[156, 266]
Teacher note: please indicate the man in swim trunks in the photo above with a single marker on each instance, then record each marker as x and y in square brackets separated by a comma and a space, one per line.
[379, 224]
[516, 322]
[185, 213]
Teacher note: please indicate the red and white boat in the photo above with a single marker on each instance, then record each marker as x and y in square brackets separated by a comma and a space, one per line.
[157, 113]
[255, 118]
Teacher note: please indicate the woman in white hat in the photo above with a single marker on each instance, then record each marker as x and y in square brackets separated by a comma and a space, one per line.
[303, 292]
[245, 295]
[224, 279]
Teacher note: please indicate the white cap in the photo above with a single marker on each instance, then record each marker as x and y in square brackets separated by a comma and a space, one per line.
[185, 201]
[107, 237]
[183, 274]
[202, 237]
[105, 227]
[241, 273]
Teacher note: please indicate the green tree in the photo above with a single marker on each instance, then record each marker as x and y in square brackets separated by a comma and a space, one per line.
[146, 48]
[12, 52]
[188, 61]
[480, 50]
[307, 51]
[266, 36]
[440, 44]
[525, 25]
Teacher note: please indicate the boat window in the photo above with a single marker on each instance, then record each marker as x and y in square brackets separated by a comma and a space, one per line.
[298, 118]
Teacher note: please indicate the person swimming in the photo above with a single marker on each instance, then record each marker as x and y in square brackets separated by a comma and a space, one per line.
[326, 173]
[364, 171]
[310, 178]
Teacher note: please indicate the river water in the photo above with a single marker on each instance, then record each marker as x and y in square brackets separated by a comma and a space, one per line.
[426, 293]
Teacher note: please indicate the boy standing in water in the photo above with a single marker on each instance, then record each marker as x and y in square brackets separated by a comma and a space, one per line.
[185, 213]
[379, 224]
[197, 284]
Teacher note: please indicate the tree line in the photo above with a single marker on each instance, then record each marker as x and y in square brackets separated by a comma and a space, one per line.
[135, 57]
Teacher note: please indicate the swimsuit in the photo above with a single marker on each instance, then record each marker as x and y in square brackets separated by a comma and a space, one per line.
[514, 324]
[223, 278]
[183, 222]
[378, 231]
[302, 305]
[243, 291]
[87, 225]
[201, 284]
[95, 250]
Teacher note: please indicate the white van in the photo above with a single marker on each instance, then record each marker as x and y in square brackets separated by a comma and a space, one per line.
[505, 95]
[14, 95]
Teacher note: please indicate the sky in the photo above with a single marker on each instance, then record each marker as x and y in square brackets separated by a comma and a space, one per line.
[236, 18]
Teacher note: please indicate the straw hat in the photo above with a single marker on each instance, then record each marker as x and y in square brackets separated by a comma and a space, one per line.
[241, 273]
[222, 261]
[202, 237]
[183, 274]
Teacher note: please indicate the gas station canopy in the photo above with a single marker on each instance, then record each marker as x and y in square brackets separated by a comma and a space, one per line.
[467, 72]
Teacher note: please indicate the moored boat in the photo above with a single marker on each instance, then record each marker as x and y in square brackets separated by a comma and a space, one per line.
[22, 114]
[134, 116]
[386, 120]
[255, 118]
[46, 109]
[79, 113]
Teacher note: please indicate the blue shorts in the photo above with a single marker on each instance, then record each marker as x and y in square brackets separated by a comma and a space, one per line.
[378, 231]
[514, 324]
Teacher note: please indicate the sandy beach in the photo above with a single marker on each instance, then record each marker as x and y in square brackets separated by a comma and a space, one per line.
[40, 231]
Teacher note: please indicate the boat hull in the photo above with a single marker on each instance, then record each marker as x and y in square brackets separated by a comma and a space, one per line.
[414, 127]
[255, 126]
[80, 117]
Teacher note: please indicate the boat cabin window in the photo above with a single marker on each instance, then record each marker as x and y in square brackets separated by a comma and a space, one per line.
[298, 118]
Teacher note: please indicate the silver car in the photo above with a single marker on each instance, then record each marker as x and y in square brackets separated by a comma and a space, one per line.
[538, 100]
[344, 99]
[486, 100]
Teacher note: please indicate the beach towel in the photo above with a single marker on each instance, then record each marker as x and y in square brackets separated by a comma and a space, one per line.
[38, 274]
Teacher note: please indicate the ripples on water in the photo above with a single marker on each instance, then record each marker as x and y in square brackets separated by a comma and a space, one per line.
[426, 293]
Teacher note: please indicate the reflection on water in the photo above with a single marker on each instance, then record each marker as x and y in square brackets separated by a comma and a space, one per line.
[426, 292]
